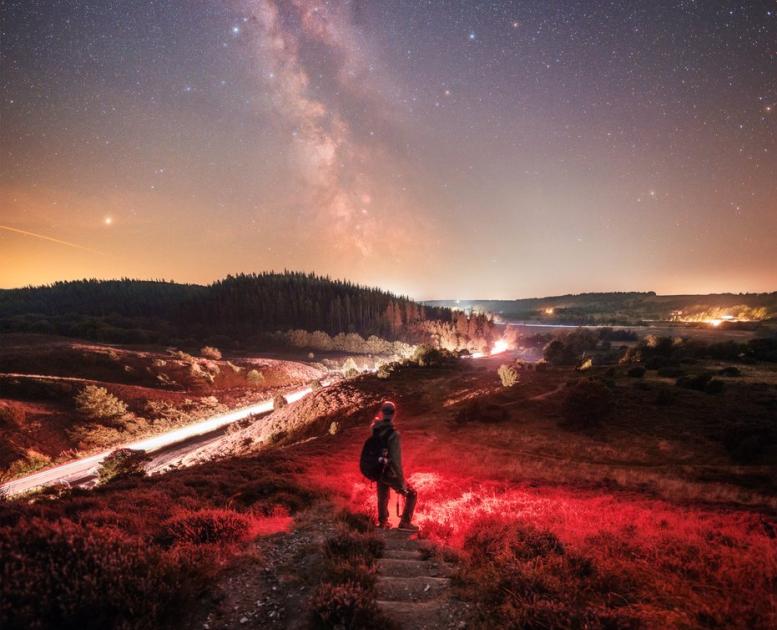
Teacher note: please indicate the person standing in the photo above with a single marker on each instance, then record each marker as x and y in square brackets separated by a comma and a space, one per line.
[392, 476]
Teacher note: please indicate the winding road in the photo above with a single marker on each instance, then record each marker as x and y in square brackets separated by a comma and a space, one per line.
[83, 470]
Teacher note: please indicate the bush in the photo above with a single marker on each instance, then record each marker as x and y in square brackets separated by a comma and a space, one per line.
[587, 402]
[12, 414]
[346, 597]
[556, 353]
[279, 402]
[205, 527]
[98, 402]
[519, 576]
[64, 575]
[703, 382]
[508, 375]
[255, 378]
[350, 369]
[348, 605]
[428, 356]
[637, 371]
[122, 463]
[209, 352]
[730, 371]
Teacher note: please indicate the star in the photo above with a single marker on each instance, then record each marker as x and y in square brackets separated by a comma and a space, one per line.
[472, 36]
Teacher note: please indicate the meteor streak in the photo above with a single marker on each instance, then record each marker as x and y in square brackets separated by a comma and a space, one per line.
[43, 237]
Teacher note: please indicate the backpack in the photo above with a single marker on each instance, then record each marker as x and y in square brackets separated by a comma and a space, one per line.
[374, 457]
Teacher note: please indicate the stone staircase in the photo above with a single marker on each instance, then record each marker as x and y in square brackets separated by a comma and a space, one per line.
[413, 590]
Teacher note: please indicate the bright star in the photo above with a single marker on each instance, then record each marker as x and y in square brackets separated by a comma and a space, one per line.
[108, 220]
[472, 36]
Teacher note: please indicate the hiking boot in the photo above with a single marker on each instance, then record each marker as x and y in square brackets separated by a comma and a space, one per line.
[407, 527]
[384, 525]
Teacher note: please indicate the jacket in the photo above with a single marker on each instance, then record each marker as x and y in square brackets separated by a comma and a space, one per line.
[384, 427]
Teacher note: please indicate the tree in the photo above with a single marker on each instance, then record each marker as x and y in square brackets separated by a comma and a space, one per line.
[255, 378]
[209, 352]
[122, 463]
[98, 403]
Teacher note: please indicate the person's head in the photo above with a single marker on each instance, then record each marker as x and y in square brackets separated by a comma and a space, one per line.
[388, 410]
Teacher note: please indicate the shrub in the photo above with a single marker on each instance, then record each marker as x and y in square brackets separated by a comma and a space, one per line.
[350, 369]
[12, 414]
[698, 382]
[429, 356]
[556, 353]
[64, 575]
[122, 463]
[730, 371]
[346, 597]
[255, 378]
[354, 546]
[508, 375]
[519, 576]
[279, 402]
[348, 605]
[209, 352]
[206, 526]
[98, 402]
[587, 402]
[637, 371]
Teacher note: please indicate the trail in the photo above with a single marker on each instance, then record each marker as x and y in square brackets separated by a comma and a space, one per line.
[413, 590]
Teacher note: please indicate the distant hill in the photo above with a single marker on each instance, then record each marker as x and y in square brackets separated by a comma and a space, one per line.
[626, 308]
[237, 307]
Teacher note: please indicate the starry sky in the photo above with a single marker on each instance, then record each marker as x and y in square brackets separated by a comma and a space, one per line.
[441, 149]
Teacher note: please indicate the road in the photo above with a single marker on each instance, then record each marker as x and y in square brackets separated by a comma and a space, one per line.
[82, 470]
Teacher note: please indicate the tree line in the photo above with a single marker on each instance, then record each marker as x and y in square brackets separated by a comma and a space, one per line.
[237, 307]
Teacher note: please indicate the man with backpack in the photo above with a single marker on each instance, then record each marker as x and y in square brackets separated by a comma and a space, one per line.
[381, 461]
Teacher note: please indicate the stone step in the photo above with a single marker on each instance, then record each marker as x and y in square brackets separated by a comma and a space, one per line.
[403, 554]
[393, 567]
[410, 588]
[417, 615]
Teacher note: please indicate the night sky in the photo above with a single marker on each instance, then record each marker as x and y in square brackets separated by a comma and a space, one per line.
[442, 149]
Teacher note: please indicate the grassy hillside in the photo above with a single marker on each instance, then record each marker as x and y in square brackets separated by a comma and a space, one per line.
[639, 516]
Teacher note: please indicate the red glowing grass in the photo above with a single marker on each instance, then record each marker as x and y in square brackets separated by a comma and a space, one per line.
[675, 556]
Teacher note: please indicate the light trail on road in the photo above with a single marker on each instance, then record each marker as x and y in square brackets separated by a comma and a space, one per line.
[80, 469]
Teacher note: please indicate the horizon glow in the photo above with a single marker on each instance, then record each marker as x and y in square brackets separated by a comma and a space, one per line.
[479, 149]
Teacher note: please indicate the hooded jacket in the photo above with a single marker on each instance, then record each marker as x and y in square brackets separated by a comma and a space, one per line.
[384, 427]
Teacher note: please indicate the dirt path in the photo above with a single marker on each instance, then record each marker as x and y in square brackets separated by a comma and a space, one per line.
[413, 588]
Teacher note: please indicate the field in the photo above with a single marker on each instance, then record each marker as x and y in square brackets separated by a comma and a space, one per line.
[604, 497]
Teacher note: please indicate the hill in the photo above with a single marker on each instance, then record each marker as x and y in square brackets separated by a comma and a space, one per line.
[627, 308]
[649, 515]
[244, 308]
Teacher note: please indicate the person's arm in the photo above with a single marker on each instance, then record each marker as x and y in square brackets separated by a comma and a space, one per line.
[395, 454]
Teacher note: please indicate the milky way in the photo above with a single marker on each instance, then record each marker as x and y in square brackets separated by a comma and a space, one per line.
[445, 149]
